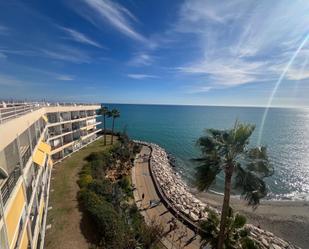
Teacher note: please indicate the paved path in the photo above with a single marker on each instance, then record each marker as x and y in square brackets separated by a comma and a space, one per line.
[181, 237]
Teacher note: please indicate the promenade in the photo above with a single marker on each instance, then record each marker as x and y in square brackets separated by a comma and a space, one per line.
[178, 237]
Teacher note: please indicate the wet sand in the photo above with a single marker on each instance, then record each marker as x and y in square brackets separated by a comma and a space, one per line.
[286, 219]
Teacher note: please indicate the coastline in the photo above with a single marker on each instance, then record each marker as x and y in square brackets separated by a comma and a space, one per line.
[275, 225]
[286, 219]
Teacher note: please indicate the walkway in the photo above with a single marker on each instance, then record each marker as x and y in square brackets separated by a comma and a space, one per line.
[181, 237]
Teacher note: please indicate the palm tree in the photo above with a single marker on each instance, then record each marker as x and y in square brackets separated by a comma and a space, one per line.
[237, 235]
[104, 112]
[113, 114]
[226, 150]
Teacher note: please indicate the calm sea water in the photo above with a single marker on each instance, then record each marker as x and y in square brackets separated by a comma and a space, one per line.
[176, 128]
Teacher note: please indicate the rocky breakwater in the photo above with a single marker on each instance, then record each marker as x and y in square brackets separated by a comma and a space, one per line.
[178, 194]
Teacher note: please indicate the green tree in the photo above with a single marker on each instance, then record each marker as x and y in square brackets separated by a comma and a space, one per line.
[104, 112]
[227, 151]
[113, 114]
[237, 235]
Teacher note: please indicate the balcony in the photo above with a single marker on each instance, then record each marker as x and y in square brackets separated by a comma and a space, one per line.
[76, 117]
[26, 154]
[34, 217]
[53, 132]
[10, 183]
[29, 191]
[65, 130]
[53, 147]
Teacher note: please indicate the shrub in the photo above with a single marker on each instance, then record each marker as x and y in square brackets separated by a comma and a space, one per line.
[94, 156]
[150, 233]
[84, 180]
[102, 188]
[111, 227]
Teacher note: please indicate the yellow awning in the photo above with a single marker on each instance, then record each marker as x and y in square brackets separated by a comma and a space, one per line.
[45, 118]
[45, 147]
[39, 157]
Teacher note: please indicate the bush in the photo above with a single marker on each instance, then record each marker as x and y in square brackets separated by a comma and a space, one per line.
[102, 188]
[94, 156]
[84, 180]
[150, 233]
[111, 227]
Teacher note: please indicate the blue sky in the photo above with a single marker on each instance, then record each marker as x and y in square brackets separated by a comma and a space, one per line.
[162, 52]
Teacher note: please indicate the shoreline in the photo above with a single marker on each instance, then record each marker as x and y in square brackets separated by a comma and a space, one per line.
[287, 219]
[192, 204]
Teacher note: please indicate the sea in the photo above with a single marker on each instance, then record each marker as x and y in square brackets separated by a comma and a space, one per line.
[176, 128]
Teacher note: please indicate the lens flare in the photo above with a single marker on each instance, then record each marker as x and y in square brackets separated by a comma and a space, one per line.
[286, 69]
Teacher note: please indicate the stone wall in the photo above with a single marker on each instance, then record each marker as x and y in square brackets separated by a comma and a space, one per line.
[178, 194]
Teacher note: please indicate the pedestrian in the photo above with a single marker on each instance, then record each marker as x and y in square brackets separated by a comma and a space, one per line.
[143, 196]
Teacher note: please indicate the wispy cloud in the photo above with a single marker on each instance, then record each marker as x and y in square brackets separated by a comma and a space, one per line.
[98, 12]
[81, 38]
[65, 53]
[7, 51]
[244, 41]
[141, 59]
[64, 77]
[141, 76]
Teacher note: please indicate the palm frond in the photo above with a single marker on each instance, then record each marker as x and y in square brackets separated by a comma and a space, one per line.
[258, 162]
[252, 187]
[206, 172]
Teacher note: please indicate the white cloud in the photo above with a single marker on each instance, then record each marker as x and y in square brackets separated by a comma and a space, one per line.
[65, 77]
[65, 53]
[141, 59]
[141, 76]
[244, 41]
[99, 12]
[79, 37]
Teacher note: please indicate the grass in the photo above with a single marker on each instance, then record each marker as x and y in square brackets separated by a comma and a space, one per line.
[65, 217]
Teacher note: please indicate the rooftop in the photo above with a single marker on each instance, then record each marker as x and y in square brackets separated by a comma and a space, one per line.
[13, 109]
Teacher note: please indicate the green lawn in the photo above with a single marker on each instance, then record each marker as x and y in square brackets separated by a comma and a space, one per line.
[68, 229]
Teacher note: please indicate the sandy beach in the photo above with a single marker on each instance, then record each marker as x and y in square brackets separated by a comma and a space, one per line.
[286, 219]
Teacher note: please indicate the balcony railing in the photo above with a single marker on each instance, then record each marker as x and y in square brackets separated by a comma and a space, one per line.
[65, 130]
[13, 109]
[10, 183]
[34, 140]
[25, 157]
[56, 146]
[34, 215]
[53, 133]
[16, 111]
[29, 191]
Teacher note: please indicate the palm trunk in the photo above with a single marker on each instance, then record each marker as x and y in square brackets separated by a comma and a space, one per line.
[113, 131]
[225, 208]
[104, 129]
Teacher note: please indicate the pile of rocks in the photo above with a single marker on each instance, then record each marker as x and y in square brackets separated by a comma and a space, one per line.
[178, 194]
[175, 190]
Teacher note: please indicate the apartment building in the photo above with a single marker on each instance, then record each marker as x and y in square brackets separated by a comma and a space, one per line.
[33, 137]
